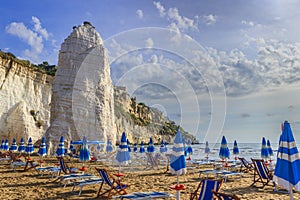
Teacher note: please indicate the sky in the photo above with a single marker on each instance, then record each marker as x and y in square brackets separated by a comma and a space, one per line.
[214, 67]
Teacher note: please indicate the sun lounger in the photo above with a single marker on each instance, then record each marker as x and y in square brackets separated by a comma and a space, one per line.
[144, 195]
[91, 181]
[222, 173]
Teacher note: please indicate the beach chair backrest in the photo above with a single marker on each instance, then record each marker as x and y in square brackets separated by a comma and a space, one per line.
[261, 169]
[103, 173]
[62, 165]
[244, 161]
[207, 185]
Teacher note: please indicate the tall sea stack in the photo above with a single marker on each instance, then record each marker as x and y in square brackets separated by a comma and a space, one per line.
[82, 101]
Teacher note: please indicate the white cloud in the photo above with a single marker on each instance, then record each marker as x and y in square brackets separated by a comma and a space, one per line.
[140, 14]
[34, 40]
[160, 8]
[149, 43]
[38, 28]
[210, 19]
[248, 23]
[33, 37]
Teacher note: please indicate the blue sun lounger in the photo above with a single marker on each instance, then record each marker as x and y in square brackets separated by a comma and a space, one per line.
[144, 195]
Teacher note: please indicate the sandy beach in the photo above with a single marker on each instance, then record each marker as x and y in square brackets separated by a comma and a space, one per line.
[29, 185]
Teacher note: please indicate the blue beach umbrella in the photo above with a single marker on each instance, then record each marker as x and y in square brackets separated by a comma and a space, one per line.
[6, 145]
[2, 145]
[109, 147]
[42, 150]
[13, 146]
[235, 150]
[163, 147]
[135, 149]
[84, 153]
[123, 155]
[61, 147]
[264, 150]
[177, 161]
[150, 148]
[72, 149]
[21, 147]
[142, 148]
[288, 162]
[270, 150]
[189, 149]
[224, 152]
[29, 148]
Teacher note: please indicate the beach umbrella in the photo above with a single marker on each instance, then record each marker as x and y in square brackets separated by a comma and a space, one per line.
[29, 148]
[150, 147]
[288, 162]
[207, 149]
[235, 150]
[21, 147]
[2, 145]
[135, 147]
[109, 147]
[84, 153]
[13, 146]
[72, 149]
[264, 150]
[128, 144]
[270, 150]
[163, 147]
[6, 145]
[224, 152]
[123, 155]
[42, 150]
[142, 149]
[189, 150]
[61, 147]
[177, 161]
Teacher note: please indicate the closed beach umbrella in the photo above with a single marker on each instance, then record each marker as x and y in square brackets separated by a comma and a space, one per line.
[288, 162]
[207, 149]
[6, 145]
[42, 150]
[163, 148]
[270, 148]
[264, 150]
[177, 161]
[189, 150]
[2, 145]
[150, 148]
[224, 152]
[142, 148]
[235, 150]
[135, 147]
[61, 147]
[84, 153]
[29, 148]
[21, 147]
[123, 155]
[13, 146]
[109, 147]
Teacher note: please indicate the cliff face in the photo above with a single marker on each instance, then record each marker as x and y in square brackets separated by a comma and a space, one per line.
[25, 96]
[82, 100]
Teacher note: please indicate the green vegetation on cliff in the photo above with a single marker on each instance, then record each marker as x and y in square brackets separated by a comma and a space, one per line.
[43, 67]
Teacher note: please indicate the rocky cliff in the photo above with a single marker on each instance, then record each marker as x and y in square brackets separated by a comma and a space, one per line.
[25, 96]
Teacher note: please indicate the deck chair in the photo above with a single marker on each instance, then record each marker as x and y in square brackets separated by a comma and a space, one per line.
[144, 195]
[114, 186]
[246, 165]
[30, 164]
[83, 182]
[261, 173]
[223, 196]
[205, 187]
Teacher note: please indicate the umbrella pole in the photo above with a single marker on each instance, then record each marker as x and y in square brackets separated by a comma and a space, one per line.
[177, 191]
[291, 194]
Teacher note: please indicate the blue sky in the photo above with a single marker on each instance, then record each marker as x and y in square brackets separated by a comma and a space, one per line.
[215, 67]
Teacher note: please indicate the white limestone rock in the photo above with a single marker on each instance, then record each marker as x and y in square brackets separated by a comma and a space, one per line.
[82, 100]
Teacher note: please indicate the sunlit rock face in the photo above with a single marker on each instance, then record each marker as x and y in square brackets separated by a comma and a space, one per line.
[82, 95]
